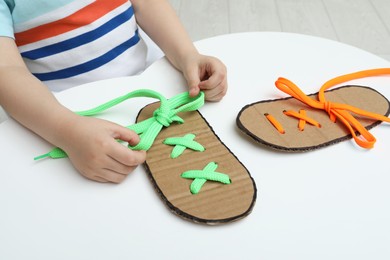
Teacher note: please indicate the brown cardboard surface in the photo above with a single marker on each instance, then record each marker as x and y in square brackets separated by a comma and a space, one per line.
[216, 203]
[251, 119]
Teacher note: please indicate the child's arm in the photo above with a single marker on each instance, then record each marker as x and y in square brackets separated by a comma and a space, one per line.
[160, 22]
[89, 142]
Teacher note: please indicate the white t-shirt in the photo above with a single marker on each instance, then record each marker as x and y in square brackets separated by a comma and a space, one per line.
[66, 43]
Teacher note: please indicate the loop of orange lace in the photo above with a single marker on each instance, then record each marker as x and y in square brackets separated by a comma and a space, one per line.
[328, 108]
[338, 110]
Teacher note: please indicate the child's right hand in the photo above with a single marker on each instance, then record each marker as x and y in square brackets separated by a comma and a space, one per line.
[93, 149]
[89, 142]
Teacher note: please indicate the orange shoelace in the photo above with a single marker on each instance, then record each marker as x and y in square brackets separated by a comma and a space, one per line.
[275, 123]
[338, 110]
[302, 118]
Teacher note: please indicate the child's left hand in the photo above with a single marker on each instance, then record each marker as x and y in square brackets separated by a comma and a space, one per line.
[207, 74]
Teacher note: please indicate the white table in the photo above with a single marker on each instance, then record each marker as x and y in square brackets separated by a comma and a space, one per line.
[332, 203]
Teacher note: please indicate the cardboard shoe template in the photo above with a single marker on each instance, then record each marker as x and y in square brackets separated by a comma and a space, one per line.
[176, 169]
[304, 123]
[195, 174]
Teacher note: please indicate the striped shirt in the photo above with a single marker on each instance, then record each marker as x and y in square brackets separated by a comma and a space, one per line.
[66, 43]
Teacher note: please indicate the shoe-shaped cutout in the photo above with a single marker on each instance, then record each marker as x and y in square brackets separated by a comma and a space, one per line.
[252, 119]
[216, 202]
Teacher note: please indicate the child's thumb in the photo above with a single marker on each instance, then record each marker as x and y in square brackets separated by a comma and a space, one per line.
[193, 84]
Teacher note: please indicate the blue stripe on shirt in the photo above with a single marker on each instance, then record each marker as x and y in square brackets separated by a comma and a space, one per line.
[90, 65]
[81, 39]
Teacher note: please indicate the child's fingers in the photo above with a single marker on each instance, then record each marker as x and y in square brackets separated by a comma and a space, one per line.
[125, 156]
[109, 170]
[216, 79]
[122, 153]
[107, 175]
[126, 161]
[214, 92]
[126, 135]
[98, 179]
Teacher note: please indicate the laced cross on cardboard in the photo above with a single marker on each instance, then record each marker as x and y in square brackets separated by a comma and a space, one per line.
[182, 143]
[202, 176]
[301, 115]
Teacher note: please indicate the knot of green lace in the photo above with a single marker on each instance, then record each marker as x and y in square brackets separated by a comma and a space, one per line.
[151, 127]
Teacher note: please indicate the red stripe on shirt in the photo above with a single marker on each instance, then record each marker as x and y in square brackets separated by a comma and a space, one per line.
[82, 17]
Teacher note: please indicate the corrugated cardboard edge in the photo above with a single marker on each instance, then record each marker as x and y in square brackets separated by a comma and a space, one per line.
[243, 129]
[192, 218]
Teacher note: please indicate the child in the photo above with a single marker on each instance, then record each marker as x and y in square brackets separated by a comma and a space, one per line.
[50, 45]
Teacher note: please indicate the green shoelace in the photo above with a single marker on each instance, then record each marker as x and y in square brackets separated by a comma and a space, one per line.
[182, 143]
[149, 128]
[208, 173]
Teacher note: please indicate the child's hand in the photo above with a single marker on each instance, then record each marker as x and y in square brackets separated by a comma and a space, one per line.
[159, 21]
[95, 153]
[207, 74]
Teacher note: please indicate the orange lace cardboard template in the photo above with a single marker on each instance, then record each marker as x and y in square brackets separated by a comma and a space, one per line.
[215, 203]
[253, 121]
